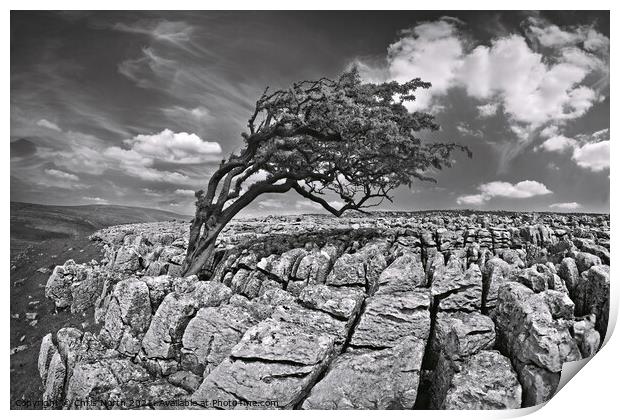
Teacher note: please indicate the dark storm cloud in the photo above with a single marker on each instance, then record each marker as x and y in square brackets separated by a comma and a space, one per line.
[137, 108]
[22, 148]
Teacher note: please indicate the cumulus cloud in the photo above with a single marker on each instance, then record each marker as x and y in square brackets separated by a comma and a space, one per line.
[48, 124]
[532, 87]
[558, 143]
[549, 76]
[473, 199]
[487, 110]
[552, 35]
[172, 147]
[523, 189]
[593, 156]
[588, 151]
[565, 206]
[432, 51]
[83, 153]
[549, 131]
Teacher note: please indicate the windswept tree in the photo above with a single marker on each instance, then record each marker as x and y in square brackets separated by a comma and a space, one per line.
[327, 138]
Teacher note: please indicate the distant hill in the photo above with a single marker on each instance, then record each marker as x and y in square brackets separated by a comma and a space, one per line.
[37, 222]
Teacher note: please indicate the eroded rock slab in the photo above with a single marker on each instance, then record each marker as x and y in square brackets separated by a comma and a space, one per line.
[388, 318]
[380, 379]
[484, 381]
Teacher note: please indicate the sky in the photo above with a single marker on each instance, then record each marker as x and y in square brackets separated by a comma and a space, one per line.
[139, 108]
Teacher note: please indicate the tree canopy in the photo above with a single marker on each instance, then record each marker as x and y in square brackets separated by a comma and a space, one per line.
[345, 138]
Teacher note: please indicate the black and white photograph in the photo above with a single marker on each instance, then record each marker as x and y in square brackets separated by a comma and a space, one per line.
[306, 210]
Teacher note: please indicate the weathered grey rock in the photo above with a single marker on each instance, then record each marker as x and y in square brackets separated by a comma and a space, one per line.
[513, 258]
[286, 265]
[496, 272]
[46, 352]
[270, 299]
[590, 247]
[287, 339]
[592, 296]
[362, 268]
[236, 381]
[588, 339]
[528, 331]
[281, 342]
[76, 285]
[381, 379]
[532, 332]
[168, 324]
[313, 268]
[155, 269]
[186, 380]
[375, 263]
[167, 253]
[128, 316]
[388, 318]
[55, 381]
[539, 385]
[278, 359]
[349, 270]
[559, 304]
[569, 273]
[58, 287]
[296, 287]
[538, 277]
[87, 288]
[341, 302]
[253, 284]
[485, 381]
[69, 341]
[115, 382]
[128, 257]
[434, 261]
[585, 260]
[212, 333]
[209, 293]
[159, 287]
[162, 339]
[174, 270]
[103, 301]
[90, 380]
[239, 280]
[406, 269]
[460, 334]
[457, 289]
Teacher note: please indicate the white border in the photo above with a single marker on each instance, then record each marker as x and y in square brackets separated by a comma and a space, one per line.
[592, 394]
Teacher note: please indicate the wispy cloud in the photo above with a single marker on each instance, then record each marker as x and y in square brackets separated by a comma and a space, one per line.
[47, 124]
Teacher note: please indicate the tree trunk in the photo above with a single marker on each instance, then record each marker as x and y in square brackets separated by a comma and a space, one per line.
[201, 246]
[212, 220]
[199, 261]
